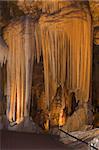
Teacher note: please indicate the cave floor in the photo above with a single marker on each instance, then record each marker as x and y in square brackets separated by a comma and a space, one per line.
[11, 140]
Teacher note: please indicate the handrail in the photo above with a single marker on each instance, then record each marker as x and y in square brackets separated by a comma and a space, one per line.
[78, 139]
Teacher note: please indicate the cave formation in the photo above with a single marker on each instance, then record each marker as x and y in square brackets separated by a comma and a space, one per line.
[49, 63]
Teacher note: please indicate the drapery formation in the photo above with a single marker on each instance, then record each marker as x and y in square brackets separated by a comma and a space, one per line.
[65, 39]
[19, 36]
[3, 60]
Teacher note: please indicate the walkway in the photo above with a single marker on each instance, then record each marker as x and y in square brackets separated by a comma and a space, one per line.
[12, 140]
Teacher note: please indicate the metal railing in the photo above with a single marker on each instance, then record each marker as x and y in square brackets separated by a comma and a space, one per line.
[78, 139]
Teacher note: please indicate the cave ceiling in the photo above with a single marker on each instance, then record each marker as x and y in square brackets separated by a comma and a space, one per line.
[13, 9]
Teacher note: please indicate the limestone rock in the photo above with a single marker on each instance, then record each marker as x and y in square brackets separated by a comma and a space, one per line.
[4, 123]
[30, 126]
[27, 125]
[96, 120]
[1, 125]
[76, 121]
[55, 131]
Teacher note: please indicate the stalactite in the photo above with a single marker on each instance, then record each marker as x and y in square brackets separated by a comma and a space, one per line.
[53, 6]
[22, 79]
[8, 78]
[18, 79]
[66, 48]
[38, 42]
[29, 59]
[20, 39]
[63, 39]
[3, 51]
[12, 79]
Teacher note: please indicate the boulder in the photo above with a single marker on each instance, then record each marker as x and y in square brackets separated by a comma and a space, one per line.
[77, 121]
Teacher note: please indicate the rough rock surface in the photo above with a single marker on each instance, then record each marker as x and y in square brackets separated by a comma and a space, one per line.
[27, 125]
[77, 121]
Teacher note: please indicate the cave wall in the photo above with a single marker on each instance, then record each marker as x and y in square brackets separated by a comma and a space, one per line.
[96, 76]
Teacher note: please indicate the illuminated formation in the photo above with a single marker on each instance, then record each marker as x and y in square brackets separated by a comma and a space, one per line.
[19, 36]
[57, 35]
